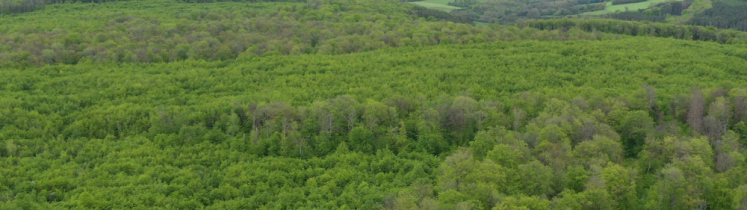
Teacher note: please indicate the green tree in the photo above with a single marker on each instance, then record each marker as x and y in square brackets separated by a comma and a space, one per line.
[536, 179]
[620, 185]
[362, 140]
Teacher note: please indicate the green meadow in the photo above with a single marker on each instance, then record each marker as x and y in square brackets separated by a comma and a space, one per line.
[442, 5]
[622, 7]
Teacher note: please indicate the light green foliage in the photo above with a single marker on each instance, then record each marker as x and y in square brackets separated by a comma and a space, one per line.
[168, 31]
[620, 185]
[535, 178]
[482, 144]
[436, 4]
[377, 109]
[203, 123]
[454, 170]
[523, 202]
[740, 197]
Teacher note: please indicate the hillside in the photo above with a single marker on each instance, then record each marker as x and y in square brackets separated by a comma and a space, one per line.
[395, 108]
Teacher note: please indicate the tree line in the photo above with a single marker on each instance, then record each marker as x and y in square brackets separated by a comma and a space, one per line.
[11, 6]
[617, 2]
[510, 12]
[324, 27]
[312, 28]
[423, 12]
[22, 6]
[722, 15]
[697, 33]
[658, 13]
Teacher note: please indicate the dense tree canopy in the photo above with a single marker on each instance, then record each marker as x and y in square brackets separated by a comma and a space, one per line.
[723, 15]
[451, 126]
[380, 106]
[118, 32]
[697, 33]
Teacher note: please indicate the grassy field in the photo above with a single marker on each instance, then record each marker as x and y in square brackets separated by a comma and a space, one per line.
[698, 6]
[621, 7]
[480, 23]
[442, 5]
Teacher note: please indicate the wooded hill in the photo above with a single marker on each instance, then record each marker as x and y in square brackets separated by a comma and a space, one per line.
[555, 114]
[171, 31]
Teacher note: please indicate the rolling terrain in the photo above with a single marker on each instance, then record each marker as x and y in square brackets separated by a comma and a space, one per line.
[359, 104]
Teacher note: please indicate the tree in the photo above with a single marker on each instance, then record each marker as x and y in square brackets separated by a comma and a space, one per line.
[346, 107]
[429, 139]
[362, 140]
[554, 148]
[455, 169]
[508, 156]
[740, 104]
[519, 116]
[657, 154]
[402, 143]
[485, 182]
[535, 178]
[577, 177]
[325, 116]
[534, 13]
[482, 144]
[740, 198]
[696, 111]
[620, 185]
[636, 127]
[598, 151]
[523, 202]
[653, 104]
[459, 116]
[670, 190]
[717, 121]
[727, 151]
[376, 113]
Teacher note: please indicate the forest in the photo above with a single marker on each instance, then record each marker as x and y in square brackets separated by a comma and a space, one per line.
[102, 33]
[658, 13]
[383, 105]
[723, 15]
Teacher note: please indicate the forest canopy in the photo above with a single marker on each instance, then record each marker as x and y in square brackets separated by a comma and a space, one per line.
[382, 105]
[385, 129]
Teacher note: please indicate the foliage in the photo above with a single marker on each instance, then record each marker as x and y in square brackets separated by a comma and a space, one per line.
[11, 6]
[509, 11]
[556, 114]
[463, 3]
[252, 134]
[723, 15]
[439, 15]
[696, 33]
[119, 32]
[21, 6]
[658, 13]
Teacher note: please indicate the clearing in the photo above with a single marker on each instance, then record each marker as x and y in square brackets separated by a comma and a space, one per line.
[621, 7]
[442, 5]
